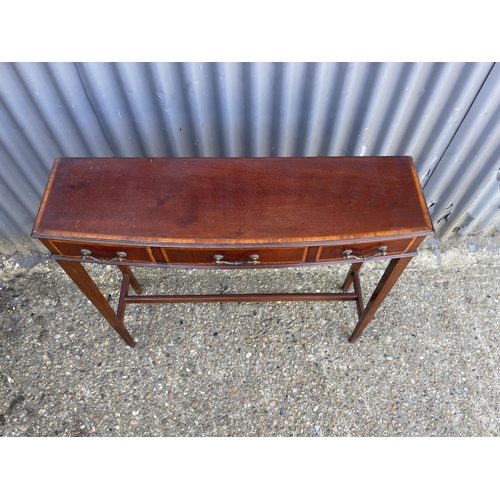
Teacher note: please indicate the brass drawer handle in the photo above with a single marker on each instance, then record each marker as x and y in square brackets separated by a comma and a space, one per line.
[380, 251]
[219, 259]
[87, 254]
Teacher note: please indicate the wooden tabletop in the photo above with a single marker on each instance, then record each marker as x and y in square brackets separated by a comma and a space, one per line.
[231, 200]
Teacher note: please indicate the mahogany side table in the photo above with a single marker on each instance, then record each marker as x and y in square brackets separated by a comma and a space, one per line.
[232, 213]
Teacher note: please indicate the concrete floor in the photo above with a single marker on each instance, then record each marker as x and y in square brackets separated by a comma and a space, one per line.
[428, 365]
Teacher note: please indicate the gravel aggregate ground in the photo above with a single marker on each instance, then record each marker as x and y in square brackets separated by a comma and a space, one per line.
[427, 365]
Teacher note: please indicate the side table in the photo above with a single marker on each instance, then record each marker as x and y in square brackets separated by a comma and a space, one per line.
[232, 213]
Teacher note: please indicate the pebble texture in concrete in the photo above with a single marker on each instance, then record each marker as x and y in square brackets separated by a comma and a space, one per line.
[427, 365]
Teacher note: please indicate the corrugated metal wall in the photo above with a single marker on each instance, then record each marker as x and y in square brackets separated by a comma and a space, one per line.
[445, 115]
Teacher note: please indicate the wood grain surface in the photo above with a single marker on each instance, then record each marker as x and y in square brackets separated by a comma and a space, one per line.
[231, 200]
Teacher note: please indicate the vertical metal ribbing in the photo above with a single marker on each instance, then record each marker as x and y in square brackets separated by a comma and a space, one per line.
[470, 163]
[445, 115]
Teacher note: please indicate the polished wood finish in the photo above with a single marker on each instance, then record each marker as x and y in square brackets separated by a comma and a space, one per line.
[357, 291]
[221, 213]
[334, 252]
[132, 279]
[391, 275]
[103, 251]
[266, 255]
[241, 297]
[120, 312]
[242, 266]
[388, 280]
[231, 200]
[312, 252]
[350, 275]
[82, 279]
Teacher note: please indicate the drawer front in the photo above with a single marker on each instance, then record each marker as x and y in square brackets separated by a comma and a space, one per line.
[98, 251]
[234, 256]
[363, 250]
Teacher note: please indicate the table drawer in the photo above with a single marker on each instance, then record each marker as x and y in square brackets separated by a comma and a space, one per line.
[240, 256]
[99, 251]
[363, 250]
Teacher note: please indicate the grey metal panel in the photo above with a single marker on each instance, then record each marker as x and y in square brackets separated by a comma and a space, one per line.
[44, 113]
[464, 188]
[428, 110]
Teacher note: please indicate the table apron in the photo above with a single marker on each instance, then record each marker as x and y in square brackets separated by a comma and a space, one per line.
[224, 267]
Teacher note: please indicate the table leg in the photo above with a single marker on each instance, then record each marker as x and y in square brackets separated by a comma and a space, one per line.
[133, 280]
[359, 293]
[120, 310]
[348, 281]
[86, 284]
[389, 278]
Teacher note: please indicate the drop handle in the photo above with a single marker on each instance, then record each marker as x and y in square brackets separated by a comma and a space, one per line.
[347, 254]
[87, 254]
[219, 259]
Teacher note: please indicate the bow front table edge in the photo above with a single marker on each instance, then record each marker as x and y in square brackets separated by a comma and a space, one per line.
[232, 213]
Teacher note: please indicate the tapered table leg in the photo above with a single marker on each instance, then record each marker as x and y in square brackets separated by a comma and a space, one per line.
[359, 293]
[133, 280]
[389, 278]
[86, 284]
[120, 310]
[348, 281]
